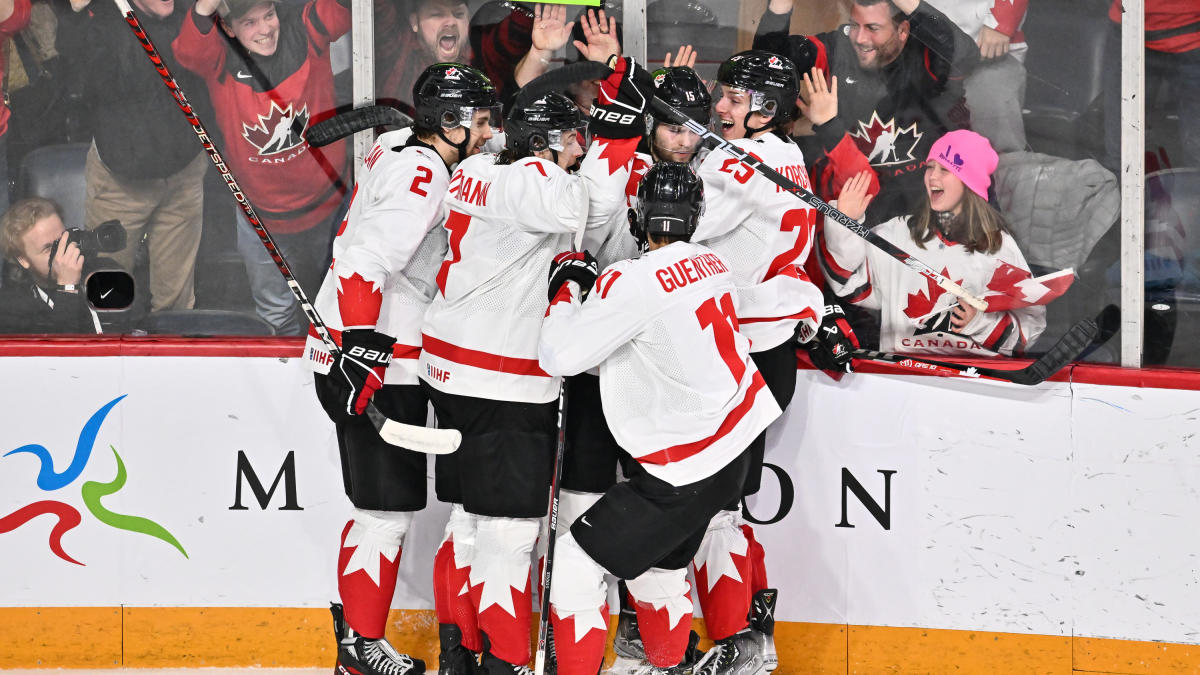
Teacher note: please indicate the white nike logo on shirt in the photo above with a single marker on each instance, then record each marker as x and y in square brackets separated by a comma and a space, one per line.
[583, 519]
[105, 294]
[849, 80]
[242, 75]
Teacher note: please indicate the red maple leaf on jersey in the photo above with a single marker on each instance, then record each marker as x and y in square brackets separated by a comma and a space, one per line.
[922, 303]
[1014, 287]
[640, 167]
[617, 151]
[359, 301]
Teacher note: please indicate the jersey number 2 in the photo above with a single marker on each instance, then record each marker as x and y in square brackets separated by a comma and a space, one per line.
[423, 179]
[723, 321]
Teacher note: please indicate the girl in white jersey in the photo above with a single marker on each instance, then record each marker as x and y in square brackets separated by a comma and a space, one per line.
[959, 234]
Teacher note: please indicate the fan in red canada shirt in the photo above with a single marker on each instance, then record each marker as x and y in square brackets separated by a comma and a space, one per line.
[267, 84]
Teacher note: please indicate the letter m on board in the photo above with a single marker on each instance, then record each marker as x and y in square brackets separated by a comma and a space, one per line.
[882, 515]
[246, 474]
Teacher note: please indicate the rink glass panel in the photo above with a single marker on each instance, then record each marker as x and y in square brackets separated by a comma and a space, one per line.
[1063, 116]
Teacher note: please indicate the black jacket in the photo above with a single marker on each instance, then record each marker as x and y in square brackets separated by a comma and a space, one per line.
[138, 129]
[895, 113]
[27, 309]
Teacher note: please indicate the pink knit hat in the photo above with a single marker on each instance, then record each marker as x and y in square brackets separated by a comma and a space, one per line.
[968, 156]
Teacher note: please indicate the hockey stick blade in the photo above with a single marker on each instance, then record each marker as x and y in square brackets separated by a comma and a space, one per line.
[349, 123]
[413, 437]
[1067, 349]
[1062, 353]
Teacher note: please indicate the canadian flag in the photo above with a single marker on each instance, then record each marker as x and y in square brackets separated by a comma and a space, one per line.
[1013, 288]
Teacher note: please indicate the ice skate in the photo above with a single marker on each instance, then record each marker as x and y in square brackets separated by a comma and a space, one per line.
[739, 654]
[627, 642]
[454, 658]
[358, 655]
[493, 665]
[635, 663]
[762, 620]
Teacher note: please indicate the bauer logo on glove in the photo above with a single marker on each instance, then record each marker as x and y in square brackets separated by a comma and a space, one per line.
[361, 364]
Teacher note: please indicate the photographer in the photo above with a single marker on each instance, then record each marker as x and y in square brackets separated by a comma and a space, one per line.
[49, 298]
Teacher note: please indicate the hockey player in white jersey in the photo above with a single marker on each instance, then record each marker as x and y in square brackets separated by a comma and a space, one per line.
[764, 234]
[681, 395]
[509, 214]
[385, 257]
[589, 467]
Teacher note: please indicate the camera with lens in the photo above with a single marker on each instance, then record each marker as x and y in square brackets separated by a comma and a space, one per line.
[107, 237]
[108, 287]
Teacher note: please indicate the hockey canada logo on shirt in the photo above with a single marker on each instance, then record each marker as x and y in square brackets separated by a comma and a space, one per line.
[933, 327]
[452, 74]
[774, 62]
[91, 492]
[279, 131]
[886, 143]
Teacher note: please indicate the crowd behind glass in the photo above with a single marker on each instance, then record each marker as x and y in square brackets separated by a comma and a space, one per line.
[89, 135]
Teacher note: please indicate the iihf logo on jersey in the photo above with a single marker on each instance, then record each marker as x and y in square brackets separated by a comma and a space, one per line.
[885, 143]
[280, 131]
[91, 492]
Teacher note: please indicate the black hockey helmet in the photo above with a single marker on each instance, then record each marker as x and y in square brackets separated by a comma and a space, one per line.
[770, 80]
[542, 125]
[682, 88]
[448, 95]
[670, 202]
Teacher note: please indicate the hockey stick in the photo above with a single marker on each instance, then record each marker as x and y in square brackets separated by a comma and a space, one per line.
[716, 142]
[560, 451]
[349, 123]
[1063, 352]
[419, 439]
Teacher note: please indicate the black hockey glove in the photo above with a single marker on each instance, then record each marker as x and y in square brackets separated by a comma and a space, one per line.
[577, 266]
[834, 343]
[620, 109]
[360, 366]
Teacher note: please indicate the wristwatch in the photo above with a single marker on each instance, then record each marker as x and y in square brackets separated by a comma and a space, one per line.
[68, 288]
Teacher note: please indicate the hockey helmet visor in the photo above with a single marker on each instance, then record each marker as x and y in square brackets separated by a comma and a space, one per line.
[450, 95]
[769, 80]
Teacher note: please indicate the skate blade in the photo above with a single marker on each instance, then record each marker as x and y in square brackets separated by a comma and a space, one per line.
[625, 666]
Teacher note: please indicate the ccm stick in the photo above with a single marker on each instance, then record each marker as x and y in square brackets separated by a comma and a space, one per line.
[1063, 352]
[412, 437]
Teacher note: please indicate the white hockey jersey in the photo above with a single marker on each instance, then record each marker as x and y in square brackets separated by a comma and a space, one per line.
[386, 253]
[914, 311]
[765, 235]
[505, 225]
[677, 384]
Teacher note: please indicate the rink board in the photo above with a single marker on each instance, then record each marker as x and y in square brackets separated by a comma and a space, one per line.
[933, 525]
